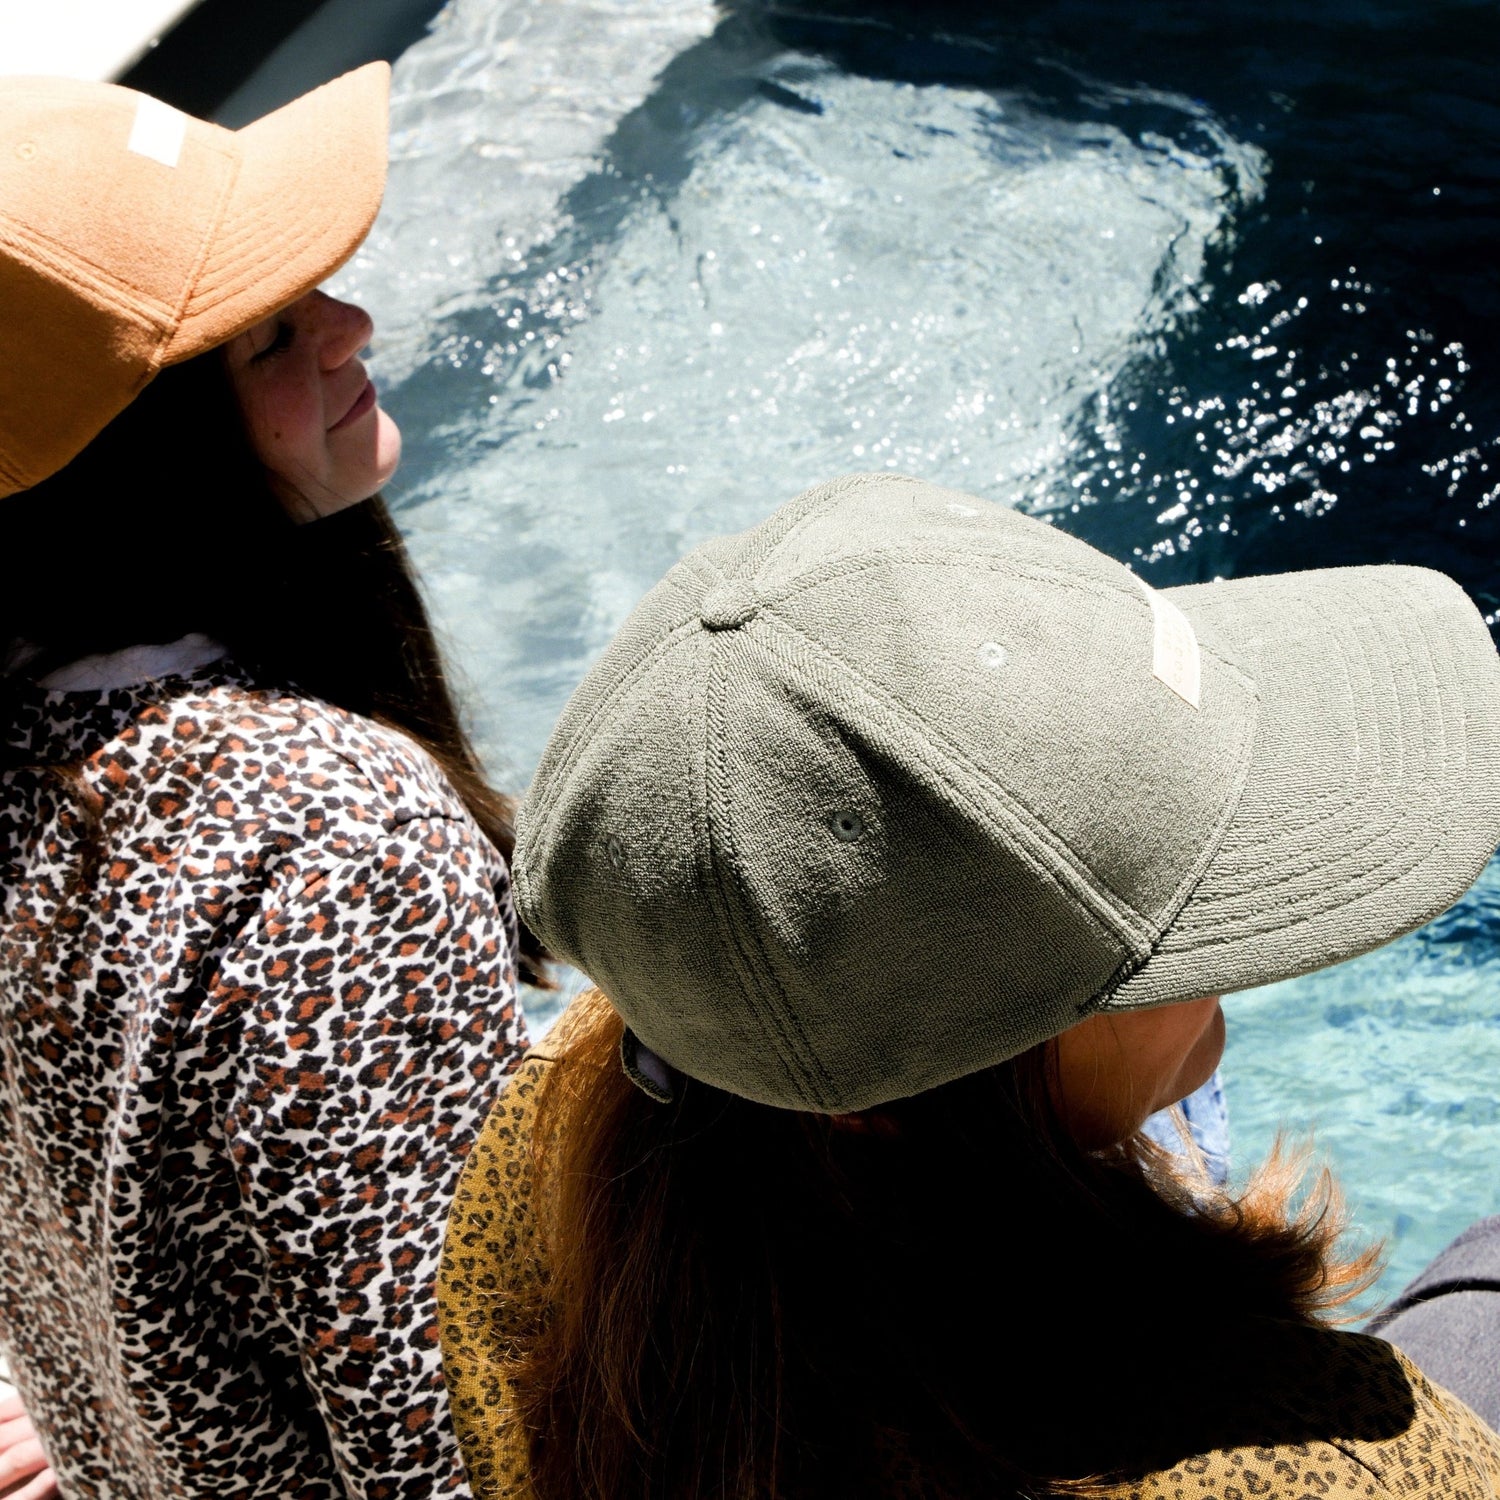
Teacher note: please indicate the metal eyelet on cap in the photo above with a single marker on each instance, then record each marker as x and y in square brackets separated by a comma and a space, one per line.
[614, 848]
[847, 826]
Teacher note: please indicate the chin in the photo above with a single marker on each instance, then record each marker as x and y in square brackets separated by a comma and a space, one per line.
[387, 446]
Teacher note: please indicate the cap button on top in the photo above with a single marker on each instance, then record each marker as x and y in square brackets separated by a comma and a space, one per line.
[726, 606]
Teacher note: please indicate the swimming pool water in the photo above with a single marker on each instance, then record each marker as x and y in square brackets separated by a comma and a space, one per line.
[1213, 287]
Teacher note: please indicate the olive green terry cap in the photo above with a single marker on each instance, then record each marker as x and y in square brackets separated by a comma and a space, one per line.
[901, 782]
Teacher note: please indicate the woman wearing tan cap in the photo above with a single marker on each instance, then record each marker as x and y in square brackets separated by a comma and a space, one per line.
[912, 842]
[258, 955]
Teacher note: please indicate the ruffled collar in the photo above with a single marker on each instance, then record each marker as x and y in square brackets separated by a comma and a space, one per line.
[63, 725]
[134, 665]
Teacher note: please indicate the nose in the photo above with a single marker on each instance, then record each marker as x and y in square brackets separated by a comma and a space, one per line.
[344, 328]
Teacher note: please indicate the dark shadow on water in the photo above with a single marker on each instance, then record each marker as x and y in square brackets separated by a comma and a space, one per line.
[1381, 125]
[257, 56]
[1335, 398]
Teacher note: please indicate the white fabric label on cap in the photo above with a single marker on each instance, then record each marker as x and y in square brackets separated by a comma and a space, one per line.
[1175, 658]
[158, 132]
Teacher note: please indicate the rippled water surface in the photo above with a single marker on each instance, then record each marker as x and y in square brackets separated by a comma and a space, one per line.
[1213, 287]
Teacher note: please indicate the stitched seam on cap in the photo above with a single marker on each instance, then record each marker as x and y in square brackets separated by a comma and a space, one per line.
[1232, 930]
[1182, 896]
[240, 271]
[817, 504]
[1130, 965]
[1094, 588]
[1129, 922]
[1229, 935]
[190, 287]
[61, 265]
[1388, 873]
[1080, 582]
[708, 577]
[541, 807]
[796, 1066]
[1344, 799]
[1319, 865]
[1136, 936]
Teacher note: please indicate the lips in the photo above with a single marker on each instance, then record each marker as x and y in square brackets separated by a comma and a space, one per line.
[363, 402]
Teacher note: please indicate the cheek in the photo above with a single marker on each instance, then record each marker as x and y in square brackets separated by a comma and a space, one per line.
[1205, 1054]
[1185, 1054]
[1113, 1071]
[263, 422]
[282, 418]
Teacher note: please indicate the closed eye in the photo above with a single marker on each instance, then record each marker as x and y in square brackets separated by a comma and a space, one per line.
[280, 342]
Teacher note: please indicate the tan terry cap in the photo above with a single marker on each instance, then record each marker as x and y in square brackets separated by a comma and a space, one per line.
[901, 783]
[133, 236]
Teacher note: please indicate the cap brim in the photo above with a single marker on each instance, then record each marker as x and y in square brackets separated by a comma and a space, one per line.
[1373, 796]
[309, 185]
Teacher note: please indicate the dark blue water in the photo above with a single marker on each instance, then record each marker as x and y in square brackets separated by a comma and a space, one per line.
[1348, 412]
[1213, 286]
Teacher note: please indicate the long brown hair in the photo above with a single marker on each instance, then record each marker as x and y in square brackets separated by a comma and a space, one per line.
[747, 1303]
[167, 524]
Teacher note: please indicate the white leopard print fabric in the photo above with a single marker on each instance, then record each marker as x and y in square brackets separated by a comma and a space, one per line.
[257, 993]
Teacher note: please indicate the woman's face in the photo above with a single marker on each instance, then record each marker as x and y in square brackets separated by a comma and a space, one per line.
[310, 408]
[1113, 1070]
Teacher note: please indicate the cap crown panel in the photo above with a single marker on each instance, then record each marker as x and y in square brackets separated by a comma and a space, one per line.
[142, 220]
[1030, 951]
[1065, 717]
[616, 874]
[68, 364]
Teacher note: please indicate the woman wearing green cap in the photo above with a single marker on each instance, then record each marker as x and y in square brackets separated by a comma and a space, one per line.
[258, 954]
[912, 842]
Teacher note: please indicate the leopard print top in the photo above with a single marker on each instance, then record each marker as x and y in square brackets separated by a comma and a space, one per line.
[257, 991]
[1337, 1414]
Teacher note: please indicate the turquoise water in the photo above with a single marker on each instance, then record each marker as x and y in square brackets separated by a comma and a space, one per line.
[1211, 286]
[1389, 1063]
